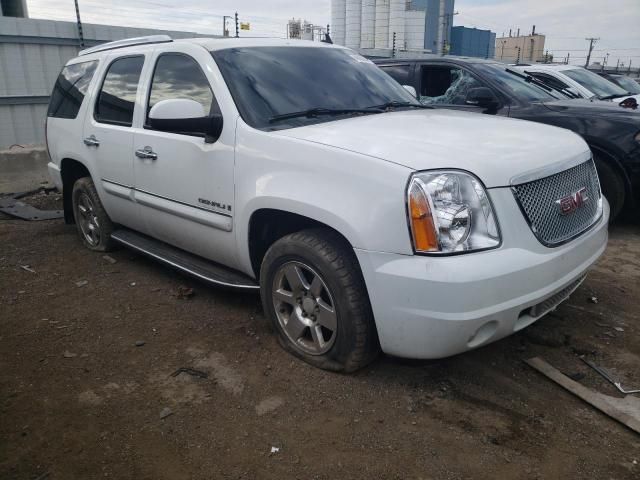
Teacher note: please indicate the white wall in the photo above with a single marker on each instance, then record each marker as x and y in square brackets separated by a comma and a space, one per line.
[382, 24]
[353, 23]
[338, 21]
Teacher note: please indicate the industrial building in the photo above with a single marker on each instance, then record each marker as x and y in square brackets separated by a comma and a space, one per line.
[402, 25]
[303, 30]
[518, 49]
[472, 42]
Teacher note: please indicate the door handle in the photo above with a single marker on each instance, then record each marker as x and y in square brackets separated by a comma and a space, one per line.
[91, 141]
[146, 153]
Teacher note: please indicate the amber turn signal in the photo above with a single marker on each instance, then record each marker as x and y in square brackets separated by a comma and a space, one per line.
[425, 238]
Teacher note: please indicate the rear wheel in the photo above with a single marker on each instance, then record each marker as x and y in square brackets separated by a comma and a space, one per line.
[93, 224]
[314, 294]
[612, 184]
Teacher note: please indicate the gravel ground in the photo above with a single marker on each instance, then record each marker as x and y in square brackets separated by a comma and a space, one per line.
[88, 345]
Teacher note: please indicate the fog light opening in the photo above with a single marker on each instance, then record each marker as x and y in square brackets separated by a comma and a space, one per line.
[483, 334]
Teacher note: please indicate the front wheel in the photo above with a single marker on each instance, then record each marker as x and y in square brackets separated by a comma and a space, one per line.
[314, 294]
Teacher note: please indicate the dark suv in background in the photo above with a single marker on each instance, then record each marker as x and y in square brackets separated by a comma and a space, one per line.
[489, 87]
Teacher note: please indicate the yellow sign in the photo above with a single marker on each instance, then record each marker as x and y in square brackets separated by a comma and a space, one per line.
[245, 26]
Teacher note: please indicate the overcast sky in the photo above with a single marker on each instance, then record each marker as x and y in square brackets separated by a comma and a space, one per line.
[565, 22]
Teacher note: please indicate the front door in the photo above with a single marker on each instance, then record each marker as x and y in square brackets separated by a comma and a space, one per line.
[184, 185]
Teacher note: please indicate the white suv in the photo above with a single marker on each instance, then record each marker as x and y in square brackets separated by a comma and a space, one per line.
[366, 219]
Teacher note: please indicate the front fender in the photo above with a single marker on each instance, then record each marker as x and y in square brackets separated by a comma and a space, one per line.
[361, 197]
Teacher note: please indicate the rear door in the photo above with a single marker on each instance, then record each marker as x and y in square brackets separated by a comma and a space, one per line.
[108, 135]
[185, 192]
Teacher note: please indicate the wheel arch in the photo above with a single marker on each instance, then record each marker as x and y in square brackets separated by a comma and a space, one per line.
[267, 225]
[614, 161]
[70, 171]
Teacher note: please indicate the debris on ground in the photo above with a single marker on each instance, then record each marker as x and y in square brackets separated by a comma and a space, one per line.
[140, 343]
[82, 283]
[166, 411]
[607, 376]
[625, 410]
[274, 450]
[191, 371]
[27, 268]
[593, 299]
[109, 259]
[68, 354]
[184, 292]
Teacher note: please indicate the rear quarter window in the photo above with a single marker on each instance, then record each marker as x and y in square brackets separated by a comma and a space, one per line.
[70, 89]
[400, 73]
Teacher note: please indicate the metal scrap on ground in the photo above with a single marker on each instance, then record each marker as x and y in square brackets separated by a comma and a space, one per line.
[624, 410]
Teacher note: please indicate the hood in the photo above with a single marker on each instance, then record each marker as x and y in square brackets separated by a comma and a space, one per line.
[592, 107]
[495, 149]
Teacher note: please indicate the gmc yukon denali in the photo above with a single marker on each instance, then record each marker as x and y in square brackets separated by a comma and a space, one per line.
[366, 220]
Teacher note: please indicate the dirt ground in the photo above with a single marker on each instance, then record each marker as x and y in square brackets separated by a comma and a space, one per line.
[79, 399]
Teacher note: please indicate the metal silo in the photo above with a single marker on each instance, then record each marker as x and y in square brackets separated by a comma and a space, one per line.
[367, 36]
[338, 21]
[382, 24]
[353, 23]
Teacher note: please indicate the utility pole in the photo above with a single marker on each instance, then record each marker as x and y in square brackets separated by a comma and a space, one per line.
[592, 41]
[237, 26]
[80, 35]
[393, 47]
[518, 59]
[568, 57]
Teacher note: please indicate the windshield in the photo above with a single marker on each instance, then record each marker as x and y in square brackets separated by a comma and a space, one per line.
[628, 84]
[516, 85]
[269, 81]
[595, 83]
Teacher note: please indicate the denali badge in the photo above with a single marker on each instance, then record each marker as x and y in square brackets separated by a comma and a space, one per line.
[572, 202]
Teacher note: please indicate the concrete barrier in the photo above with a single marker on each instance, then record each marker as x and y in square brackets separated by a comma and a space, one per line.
[23, 169]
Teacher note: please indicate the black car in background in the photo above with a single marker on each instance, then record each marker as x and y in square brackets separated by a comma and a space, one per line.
[626, 83]
[489, 87]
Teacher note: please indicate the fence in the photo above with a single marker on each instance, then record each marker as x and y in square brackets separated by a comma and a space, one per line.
[32, 53]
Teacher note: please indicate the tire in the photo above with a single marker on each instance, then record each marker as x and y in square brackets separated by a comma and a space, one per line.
[93, 224]
[325, 277]
[612, 185]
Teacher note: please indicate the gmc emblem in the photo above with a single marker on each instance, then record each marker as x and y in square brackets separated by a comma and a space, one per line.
[572, 202]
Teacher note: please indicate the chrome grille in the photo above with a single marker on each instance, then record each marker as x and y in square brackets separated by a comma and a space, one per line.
[539, 202]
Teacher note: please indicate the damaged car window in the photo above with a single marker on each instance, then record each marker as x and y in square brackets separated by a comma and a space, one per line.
[446, 85]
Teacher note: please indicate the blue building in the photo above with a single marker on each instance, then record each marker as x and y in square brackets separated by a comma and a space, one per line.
[438, 21]
[471, 42]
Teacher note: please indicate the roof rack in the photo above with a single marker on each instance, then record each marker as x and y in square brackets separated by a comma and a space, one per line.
[127, 42]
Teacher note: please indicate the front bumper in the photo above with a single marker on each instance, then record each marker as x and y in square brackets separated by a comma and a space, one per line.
[434, 307]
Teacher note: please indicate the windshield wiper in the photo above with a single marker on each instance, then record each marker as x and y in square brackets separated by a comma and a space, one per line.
[611, 97]
[314, 112]
[531, 79]
[396, 104]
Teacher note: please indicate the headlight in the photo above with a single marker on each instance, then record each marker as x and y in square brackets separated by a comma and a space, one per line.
[449, 212]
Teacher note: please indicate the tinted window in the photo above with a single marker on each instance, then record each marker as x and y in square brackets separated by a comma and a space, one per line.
[179, 76]
[627, 83]
[553, 82]
[118, 94]
[514, 83]
[70, 89]
[269, 81]
[595, 83]
[446, 85]
[400, 73]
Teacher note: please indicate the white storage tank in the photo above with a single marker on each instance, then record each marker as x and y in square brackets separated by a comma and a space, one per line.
[367, 36]
[382, 24]
[338, 21]
[353, 24]
[396, 23]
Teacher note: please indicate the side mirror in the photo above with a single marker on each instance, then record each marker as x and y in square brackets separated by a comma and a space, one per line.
[181, 115]
[482, 97]
[411, 90]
